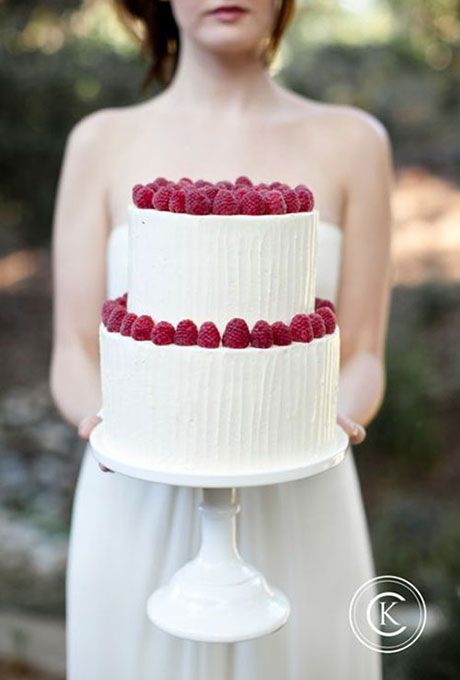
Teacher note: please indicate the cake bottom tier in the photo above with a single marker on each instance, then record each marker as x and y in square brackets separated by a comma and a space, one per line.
[218, 410]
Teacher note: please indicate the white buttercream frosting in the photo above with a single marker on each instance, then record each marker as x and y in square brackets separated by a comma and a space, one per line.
[216, 410]
[216, 267]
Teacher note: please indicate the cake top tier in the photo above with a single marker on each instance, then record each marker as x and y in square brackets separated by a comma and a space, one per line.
[215, 267]
[241, 197]
[236, 261]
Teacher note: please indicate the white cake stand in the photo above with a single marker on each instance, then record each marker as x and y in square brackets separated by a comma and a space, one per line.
[217, 596]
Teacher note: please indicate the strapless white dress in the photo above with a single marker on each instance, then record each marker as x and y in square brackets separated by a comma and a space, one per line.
[308, 537]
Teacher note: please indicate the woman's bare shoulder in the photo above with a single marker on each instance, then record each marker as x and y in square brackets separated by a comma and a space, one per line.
[99, 128]
[359, 146]
[341, 125]
[348, 129]
[356, 128]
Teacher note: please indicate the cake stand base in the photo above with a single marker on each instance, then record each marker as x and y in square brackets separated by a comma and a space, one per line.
[217, 597]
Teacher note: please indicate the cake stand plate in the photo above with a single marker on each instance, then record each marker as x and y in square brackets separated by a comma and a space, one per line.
[217, 596]
[328, 457]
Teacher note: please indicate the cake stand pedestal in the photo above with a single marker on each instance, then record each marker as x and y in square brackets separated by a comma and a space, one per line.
[217, 596]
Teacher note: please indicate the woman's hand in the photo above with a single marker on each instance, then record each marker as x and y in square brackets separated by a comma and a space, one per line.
[87, 425]
[84, 430]
[355, 431]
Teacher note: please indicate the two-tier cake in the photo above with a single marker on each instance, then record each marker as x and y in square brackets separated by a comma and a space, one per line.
[219, 358]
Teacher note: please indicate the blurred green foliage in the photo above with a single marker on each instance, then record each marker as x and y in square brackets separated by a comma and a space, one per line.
[434, 301]
[422, 382]
[47, 94]
[435, 656]
[439, 657]
[53, 77]
[406, 428]
[417, 538]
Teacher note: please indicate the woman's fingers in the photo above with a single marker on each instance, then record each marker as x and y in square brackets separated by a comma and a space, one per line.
[84, 430]
[87, 425]
[355, 431]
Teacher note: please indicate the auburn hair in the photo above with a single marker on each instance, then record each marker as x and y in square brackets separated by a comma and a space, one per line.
[152, 23]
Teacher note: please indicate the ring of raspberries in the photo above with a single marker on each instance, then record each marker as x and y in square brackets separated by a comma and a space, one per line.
[240, 197]
[302, 328]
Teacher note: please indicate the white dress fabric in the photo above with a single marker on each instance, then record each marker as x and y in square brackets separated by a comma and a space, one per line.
[308, 537]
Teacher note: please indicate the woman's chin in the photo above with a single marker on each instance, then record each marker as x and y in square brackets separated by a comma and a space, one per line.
[225, 43]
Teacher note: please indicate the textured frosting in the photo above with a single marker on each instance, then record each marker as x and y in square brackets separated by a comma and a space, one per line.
[216, 267]
[216, 410]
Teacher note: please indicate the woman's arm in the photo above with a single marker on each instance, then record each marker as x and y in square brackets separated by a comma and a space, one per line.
[79, 242]
[364, 297]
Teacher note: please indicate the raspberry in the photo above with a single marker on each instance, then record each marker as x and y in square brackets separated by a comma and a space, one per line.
[224, 184]
[142, 328]
[116, 319]
[239, 192]
[318, 325]
[328, 317]
[261, 187]
[208, 335]
[197, 203]
[163, 333]
[305, 198]
[142, 196]
[211, 192]
[157, 184]
[225, 203]
[107, 308]
[274, 203]
[202, 183]
[122, 300]
[127, 324]
[301, 328]
[276, 185]
[262, 335]
[185, 181]
[236, 334]
[292, 201]
[281, 333]
[177, 200]
[243, 181]
[186, 333]
[160, 182]
[161, 198]
[252, 203]
[322, 302]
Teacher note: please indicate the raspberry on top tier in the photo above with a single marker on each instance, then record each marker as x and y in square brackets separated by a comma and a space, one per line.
[240, 197]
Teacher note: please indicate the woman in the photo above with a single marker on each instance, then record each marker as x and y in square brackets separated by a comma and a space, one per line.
[220, 116]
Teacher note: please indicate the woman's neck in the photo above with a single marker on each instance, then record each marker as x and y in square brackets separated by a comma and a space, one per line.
[218, 83]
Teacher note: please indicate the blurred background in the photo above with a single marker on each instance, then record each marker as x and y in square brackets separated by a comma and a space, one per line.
[400, 60]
